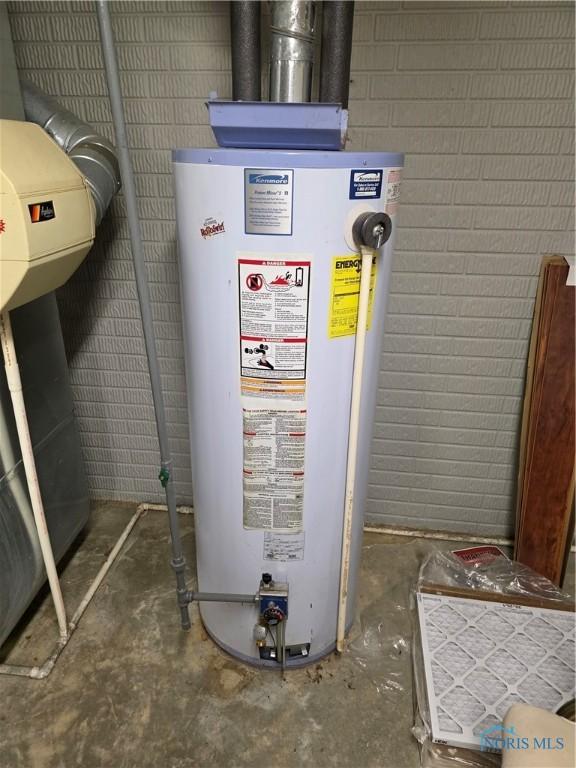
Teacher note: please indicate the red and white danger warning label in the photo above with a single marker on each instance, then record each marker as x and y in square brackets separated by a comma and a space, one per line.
[273, 302]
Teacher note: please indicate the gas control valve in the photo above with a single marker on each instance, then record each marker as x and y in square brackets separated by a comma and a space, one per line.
[273, 600]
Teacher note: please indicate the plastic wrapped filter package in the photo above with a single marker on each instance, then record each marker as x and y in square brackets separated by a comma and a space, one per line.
[498, 575]
[444, 573]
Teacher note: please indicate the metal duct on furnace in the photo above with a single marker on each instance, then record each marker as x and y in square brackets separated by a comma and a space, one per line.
[292, 50]
[91, 152]
[245, 36]
[337, 25]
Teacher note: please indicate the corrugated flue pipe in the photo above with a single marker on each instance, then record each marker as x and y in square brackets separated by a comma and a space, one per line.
[245, 36]
[337, 25]
[91, 152]
[292, 50]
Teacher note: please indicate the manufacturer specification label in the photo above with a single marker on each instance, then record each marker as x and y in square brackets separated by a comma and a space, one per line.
[283, 547]
[273, 300]
[268, 198]
[345, 294]
[365, 183]
[393, 191]
[274, 469]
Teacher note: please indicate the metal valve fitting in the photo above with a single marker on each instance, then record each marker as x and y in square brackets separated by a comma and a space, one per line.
[372, 229]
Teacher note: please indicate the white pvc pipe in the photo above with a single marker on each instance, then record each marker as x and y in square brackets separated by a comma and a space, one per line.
[15, 387]
[105, 568]
[418, 533]
[357, 377]
[42, 672]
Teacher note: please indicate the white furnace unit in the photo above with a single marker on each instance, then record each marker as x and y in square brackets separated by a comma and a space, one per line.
[270, 279]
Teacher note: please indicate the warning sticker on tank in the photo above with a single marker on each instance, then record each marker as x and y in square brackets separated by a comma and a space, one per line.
[283, 547]
[274, 469]
[345, 294]
[273, 343]
[268, 201]
[393, 191]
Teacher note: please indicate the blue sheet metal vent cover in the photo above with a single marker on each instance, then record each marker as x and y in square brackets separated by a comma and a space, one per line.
[276, 125]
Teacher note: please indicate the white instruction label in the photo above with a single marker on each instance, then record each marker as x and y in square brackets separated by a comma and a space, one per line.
[273, 343]
[393, 191]
[268, 197]
[274, 469]
[283, 547]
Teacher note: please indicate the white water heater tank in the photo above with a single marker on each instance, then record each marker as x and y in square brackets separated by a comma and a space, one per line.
[269, 283]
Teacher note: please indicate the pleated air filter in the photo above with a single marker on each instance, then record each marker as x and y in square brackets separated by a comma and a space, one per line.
[482, 657]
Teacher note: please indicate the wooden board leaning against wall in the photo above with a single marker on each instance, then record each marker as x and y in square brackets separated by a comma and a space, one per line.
[545, 499]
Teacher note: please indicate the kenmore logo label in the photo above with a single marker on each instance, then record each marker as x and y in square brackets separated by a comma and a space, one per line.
[365, 183]
[268, 178]
[368, 176]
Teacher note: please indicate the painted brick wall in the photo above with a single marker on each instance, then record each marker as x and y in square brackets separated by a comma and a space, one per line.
[480, 97]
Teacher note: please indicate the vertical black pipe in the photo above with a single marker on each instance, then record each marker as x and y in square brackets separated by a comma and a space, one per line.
[245, 35]
[337, 24]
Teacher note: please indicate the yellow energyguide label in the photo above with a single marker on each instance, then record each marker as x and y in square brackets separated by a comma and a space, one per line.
[344, 295]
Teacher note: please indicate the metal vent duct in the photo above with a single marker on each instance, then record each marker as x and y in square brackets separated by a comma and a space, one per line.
[91, 152]
[292, 50]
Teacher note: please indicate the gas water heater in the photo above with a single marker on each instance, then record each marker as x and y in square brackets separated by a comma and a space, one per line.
[270, 276]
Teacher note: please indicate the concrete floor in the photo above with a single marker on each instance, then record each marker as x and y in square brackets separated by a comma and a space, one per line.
[132, 690]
